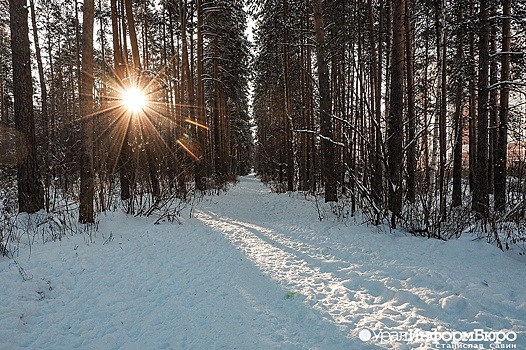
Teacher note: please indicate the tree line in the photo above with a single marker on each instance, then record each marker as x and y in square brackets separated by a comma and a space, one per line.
[70, 134]
[412, 111]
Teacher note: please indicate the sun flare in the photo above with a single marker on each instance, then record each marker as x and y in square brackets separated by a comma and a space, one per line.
[134, 100]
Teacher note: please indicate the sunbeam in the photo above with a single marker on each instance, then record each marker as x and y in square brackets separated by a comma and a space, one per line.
[188, 150]
[193, 122]
[134, 110]
[134, 100]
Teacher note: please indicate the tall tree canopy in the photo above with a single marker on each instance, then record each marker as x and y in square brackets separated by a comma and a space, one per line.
[402, 110]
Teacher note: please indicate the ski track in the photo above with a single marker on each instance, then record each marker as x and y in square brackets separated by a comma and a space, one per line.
[251, 270]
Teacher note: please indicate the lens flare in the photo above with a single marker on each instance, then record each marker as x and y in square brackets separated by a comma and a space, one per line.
[134, 100]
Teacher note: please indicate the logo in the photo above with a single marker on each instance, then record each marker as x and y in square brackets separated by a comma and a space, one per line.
[475, 339]
[365, 335]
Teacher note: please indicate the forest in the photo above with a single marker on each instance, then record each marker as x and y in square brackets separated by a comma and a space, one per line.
[407, 113]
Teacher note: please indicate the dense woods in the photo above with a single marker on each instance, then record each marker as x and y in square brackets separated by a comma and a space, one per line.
[426, 104]
[408, 112]
[188, 60]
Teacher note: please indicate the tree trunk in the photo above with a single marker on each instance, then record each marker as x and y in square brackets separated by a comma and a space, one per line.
[288, 101]
[30, 192]
[133, 35]
[327, 145]
[200, 165]
[425, 115]
[303, 159]
[188, 81]
[86, 214]
[472, 108]
[124, 162]
[376, 90]
[4, 112]
[458, 117]
[117, 53]
[502, 146]
[493, 112]
[443, 182]
[220, 162]
[43, 96]
[481, 189]
[396, 112]
[411, 115]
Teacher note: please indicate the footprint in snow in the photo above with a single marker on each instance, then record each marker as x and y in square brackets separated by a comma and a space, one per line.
[453, 304]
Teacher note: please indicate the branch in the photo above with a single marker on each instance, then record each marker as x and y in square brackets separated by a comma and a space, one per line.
[336, 143]
[506, 82]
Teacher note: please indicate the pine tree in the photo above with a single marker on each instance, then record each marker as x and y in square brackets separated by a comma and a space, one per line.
[326, 127]
[30, 191]
[86, 212]
[481, 188]
[502, 147]
[396, 110]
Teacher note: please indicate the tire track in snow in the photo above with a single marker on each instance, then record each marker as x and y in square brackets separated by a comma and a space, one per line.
[350, 310]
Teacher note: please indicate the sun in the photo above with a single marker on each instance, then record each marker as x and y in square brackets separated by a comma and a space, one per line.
[134, 100]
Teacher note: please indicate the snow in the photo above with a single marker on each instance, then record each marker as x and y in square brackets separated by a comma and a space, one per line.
[256, 270]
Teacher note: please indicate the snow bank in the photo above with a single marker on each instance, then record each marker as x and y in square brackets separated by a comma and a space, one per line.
[255, 270]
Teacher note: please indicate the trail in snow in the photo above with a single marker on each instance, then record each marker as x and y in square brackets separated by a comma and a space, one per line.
[253, 270]
[396, 283]
[346, 300]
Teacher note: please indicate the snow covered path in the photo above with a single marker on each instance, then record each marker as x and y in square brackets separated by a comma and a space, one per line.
[254, 270]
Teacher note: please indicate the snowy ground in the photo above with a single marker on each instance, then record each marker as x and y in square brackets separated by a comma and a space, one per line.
[255, 270]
